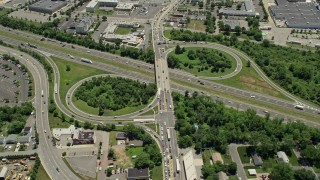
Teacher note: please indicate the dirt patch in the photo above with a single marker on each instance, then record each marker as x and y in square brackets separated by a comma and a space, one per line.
[252, 81]
[122, 159]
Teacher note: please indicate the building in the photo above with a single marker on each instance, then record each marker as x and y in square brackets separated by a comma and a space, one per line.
[124, 6]
[216, 157]
[252, 172]
[134, 143]
[305, 15]
[27, 130]
[2, 139]
[141, 174]
[81, 136]
[121, 136]
[3, 173]
[250, 10]
[282, 157]
[84, 25]
[24, 139]
[58, 132]
[257, 160]
[47, 6]
[94, 4]
[189, 167]
[11, 139]
[222, 176]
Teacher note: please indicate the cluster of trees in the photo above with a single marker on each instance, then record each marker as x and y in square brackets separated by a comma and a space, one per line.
[151, 156]
[295, 70]
[204, 123]
[35, 169]
[49, 30]
[14, 118]
[210, 171]
[312, 155]
[107, 93]
[283, 171]
[207, 59]
[210, 23]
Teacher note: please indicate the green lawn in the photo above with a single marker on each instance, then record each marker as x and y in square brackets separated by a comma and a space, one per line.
[183, 58]
[153, 127]
[69, 78]
[197, 25]
[42, 174]
[103, 12]
[156, 173]
[206, 156]
[167, 34]
[122, 30]
[112, 138]
[293, 159]
[249, 79]
[151, 111]
[302, 46]
[242, 151]
[134, 151]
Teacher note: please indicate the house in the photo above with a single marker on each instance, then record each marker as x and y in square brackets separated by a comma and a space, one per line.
[141, 174]
[252, 172]
[24, 139]
[11, 139]
[282, 157]
[257, 161]
[121, 136]
[216, 157]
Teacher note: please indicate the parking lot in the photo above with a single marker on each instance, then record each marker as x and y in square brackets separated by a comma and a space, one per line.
[17, 168]
[14, 82]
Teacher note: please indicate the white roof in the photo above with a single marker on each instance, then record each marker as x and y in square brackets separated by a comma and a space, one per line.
[3, 172]
[282, 155]
[57, 132]
[189, 167]
[92, 4]
[252, 172]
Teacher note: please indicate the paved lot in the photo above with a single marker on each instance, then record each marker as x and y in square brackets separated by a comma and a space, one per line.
[30, 15]
[84, 165]
[14, 82]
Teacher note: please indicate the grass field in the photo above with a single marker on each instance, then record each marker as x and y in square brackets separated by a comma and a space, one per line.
[122, 30]
[167, 34]
[69, 78]
[249, 79]
[134, 151]
[42, 174]
[151, 111]
[197, 25]
[183, 58]
[112, 138]
[153, 126]
[156, 173]
[242, 151]
[103, 12]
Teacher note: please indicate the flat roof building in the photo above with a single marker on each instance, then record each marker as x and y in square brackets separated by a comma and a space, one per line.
[189, 168]
[305, 15]
[83, 137]
[250, 10]
[141, 174]
[124, 6]
[57, 132]
[47, 6]
[3, 173]
[92, 5]
[84, 25]
[11, 139]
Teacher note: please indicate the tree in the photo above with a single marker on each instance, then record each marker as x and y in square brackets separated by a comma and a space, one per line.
[178, 50]
[237, 29]
[304, 174]
[87, 125]
[248, 63]
[109, 172]
[265, 43]
[282, 171]
[68, 68]
[232, 168]
[104, 18]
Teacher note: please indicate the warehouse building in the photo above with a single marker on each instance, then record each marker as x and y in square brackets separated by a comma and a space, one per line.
[250, 10]
[84, 25]
[124, 6]
[94, 4]
[47, 6]
[189, 168]
[304, 15]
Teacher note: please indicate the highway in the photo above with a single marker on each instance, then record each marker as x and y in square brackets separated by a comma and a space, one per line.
[50, 157]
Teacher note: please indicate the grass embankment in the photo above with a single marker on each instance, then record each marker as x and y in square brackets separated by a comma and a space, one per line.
[133, 152]
[197, 25]
[151, 111]
[69, 78]
[103, 12]
[154, 127]
[122, 30]
[183, 58]
[42, 174]
[249, 79]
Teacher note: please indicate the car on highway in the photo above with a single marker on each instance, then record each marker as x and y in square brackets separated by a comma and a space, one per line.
[252, 96]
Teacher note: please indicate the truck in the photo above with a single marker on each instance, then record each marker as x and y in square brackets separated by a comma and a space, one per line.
[86, 60]
[168, 134]
[42, 93]
[300, 107]
[178, 165]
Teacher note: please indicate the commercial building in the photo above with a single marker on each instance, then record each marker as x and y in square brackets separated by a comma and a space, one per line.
[84, 25]
[189, 168]
[58, 132]
[249, 10]
[24, 139]
[141, 174]
[305, 15]
[233, 23]
[124, 6]
[94, 4]
[47, 6]
[3, 173]
[81, 136]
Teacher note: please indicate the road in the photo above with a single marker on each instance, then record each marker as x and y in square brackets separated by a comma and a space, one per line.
[50, 157]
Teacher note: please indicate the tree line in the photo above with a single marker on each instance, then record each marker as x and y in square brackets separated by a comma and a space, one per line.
[205, 123]
[14, 118]
[108, 93]
[297, 71]
[50, 30]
